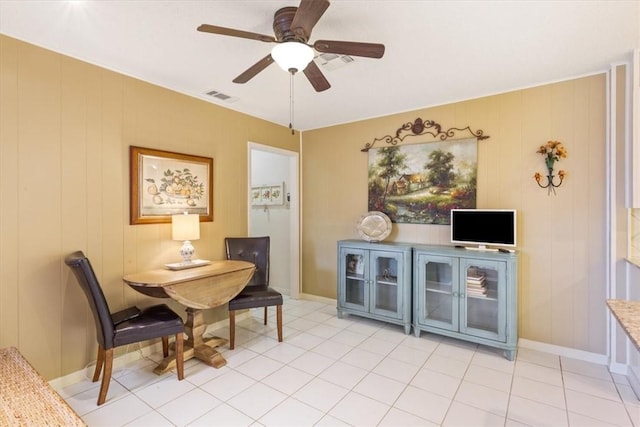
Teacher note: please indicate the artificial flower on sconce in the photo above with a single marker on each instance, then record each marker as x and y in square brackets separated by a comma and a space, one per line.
[552, 151]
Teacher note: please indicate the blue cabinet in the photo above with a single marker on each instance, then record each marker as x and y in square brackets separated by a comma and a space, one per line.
[466, 294]
[374, 281]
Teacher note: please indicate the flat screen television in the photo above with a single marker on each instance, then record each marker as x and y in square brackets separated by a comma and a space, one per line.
[483, 227]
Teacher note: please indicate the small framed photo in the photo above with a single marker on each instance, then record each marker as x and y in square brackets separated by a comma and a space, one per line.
[164, 183]
[256, 196]
[355, 264]
[267, 195]
[276, 195]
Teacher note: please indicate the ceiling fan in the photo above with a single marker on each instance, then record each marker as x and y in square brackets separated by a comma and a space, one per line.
[292, 27]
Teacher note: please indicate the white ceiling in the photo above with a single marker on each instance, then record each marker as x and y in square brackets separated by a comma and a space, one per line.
[437, 52]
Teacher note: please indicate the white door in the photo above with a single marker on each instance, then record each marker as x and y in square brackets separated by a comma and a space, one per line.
[274, 168]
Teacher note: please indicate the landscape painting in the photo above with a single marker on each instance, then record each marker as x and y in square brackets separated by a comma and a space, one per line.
[421, 183]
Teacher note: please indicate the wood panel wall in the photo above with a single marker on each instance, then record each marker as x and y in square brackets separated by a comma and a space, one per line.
[65, 131]
[561, 238]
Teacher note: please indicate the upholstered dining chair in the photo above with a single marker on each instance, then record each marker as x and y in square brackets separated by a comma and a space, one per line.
[257, 293]
[124, 327]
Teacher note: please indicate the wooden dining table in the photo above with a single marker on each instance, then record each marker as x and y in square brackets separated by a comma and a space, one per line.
[197, 289]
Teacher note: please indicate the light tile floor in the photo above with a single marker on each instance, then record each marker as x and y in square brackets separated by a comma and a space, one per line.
[359, 372]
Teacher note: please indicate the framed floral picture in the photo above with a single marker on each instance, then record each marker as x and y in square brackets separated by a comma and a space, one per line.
[265, 198]
[256, 196]
[164, 183]
[266, 195]
[276, 194]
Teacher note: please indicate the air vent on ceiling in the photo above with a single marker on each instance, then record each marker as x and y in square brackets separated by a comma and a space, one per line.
[332, 61]
[221, 96]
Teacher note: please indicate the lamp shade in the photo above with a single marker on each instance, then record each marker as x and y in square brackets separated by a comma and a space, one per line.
[292, 56]
[185, 227]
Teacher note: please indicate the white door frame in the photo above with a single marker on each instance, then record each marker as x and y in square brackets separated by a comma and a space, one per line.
[294, 209]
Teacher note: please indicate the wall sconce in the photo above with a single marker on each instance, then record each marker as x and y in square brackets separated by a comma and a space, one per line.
[186, 228]
[552, 151]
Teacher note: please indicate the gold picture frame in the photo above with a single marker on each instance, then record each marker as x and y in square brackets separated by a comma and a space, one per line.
[165, 183]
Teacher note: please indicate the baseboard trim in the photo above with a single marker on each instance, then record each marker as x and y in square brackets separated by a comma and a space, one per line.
[634, 379]
[317, 298]
[138, 353]
[600, 359]
[118, 362]
[618, 368]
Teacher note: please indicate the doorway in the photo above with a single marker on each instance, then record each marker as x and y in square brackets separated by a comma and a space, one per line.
[275, 168]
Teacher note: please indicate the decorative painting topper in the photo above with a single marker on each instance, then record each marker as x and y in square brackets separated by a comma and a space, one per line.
[421, 127]
[552, 151]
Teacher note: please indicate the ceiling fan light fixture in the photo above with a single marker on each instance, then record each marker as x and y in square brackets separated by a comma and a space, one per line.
[292, 56]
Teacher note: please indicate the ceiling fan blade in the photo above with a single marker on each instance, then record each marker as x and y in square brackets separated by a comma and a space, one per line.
[206, 28]
[306, 17]
[316, 78]
[254, 69]
[369, 50]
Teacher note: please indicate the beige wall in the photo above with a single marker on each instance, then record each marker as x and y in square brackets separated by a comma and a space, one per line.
[562, 265]
[65, 130]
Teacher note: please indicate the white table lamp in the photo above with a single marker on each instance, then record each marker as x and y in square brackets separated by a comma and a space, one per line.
[186, 228]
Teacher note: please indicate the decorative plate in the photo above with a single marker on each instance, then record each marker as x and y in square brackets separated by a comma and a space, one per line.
[374, 226]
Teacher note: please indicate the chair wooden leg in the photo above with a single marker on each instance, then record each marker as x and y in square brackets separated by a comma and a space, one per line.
[106, 376]
[232, 329]
[99, 363]
[279, 321]
[180, 356]
[265, 315]
[165, 346]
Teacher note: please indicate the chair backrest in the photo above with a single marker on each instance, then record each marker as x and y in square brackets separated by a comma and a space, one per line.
[252, 249]
[88, 281]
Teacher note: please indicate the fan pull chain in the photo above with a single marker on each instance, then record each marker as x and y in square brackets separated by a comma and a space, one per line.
[291, 102]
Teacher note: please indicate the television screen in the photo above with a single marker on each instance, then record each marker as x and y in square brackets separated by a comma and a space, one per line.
[483, 227]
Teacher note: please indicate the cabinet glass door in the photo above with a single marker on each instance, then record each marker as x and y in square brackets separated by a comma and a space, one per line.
[356, 288]
[484, 310]
[438, 291]
[386, 267]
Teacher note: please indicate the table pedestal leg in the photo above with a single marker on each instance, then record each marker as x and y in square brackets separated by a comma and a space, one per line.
[195, 345]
